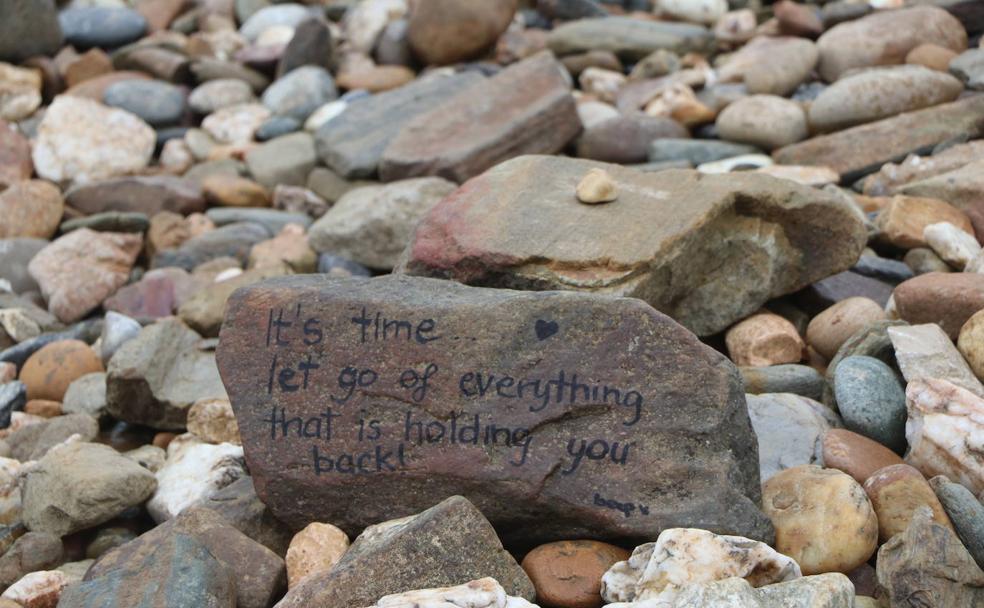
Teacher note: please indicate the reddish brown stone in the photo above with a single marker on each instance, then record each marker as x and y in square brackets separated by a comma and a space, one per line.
[48, 372]
[448, 31]
[15, 156]
[945, 298]
[86, 66]
[525, 109]
[855, 454]
[567, 573]
[688, 447]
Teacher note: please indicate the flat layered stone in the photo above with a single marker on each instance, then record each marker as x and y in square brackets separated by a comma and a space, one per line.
[630, 39]
[143, 194]
[491, 395]
[862, 149]
[353, 142]
[526, 108]
[707, 250]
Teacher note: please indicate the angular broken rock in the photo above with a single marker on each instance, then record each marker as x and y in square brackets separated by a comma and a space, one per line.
[865, 148]
[353, 143]
[527, 108]
[156, 377]
[680, 556]
[542, 408]
[481, 593]
[705, 249]
[444, 545]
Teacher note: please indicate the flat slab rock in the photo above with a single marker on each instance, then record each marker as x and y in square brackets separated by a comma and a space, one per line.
[560, 415]
[707, 250]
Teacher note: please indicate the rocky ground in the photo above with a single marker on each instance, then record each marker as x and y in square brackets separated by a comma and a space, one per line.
[796, 187]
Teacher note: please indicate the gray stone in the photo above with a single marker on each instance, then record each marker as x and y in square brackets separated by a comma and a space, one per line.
[826, 292]
[259, 573]
[87, 395]
[238, 505]
[353, 143]
[883, 269]
[966, 513]
[28, 28]
[273, 220]
[696, 151]
[87, 331]
[81, 485]
[141, 194]
[740, 240]
[626, 139]
[290, 15]
[310, 45]
[232, 240]
[789, 429]
[445, 545]
[13, 397]
[109, 221]
[158, 103]
[14, 257]
[928, 565]
[180, 571]
[32, 442]
[156, 377]
[299, 93]
[277, 126]
[800, 380]
[208, 68]
[373, 225]
[871, 400]
[337, 266]
[117, 330]
[106, 540]
[284, 160]
[103, 26]
[630, 39]
[870, 341]
[969, 67]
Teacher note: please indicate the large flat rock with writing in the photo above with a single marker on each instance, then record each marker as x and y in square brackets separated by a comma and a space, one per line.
[527, 108]
[706, 250]
[560, 415]
[859, 150]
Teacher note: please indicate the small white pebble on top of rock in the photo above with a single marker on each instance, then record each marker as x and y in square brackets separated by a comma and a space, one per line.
[597, 187]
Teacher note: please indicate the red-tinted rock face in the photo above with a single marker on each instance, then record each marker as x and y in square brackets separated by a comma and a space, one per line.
[559, 415]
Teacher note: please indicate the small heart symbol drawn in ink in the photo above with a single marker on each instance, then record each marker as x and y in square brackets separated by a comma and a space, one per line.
[545, 329]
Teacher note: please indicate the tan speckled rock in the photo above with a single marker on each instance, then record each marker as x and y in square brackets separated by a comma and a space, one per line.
[895, 493]
[764, 339]
[314, 549]
[597, 187]
[832, 327]
[212, 421]
[904, 218]
[970, 343]
[567, 573]
[855, 454]
[823, 518]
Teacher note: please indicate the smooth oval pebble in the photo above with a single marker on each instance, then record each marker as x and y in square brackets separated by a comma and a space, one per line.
[896, 491]
[855, 454]
[102, 26]
[48, 372]
[871, 400]
[832, 327]
[567, 573]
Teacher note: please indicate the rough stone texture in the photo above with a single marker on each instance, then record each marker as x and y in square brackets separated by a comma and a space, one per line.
[30, 208]
[203, 310]
[526, 108]
[353, 143]
[927, 566]
[966, 514]
[149, 194]
[81, 269]
[895, 493]
[893, 176]
[823, 519]
[568, 573]
[924, 352]
[790, 430]
[955, 246]
[81, 140]
[658, 571]
[238, 504]
[821, 591]
[193, 471]
[154, 378]
[630, 39]
[213, 421]
[519, 226]
[80, 485]
[800, 380]
[314, 550]
[902, 221]
[885, 38]
[233, 240]
[858, 150]
[29, 28]
[374, 224]
[180, 571]
[880, 93]
[536, 336]
[970, 343]
[32, 552]
[961, 187]
[945, 426]
[446, 544]
[259, 573]
[948, 299]
[764, 339]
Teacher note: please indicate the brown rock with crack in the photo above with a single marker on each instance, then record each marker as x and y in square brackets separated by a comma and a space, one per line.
[541, 408]
[525, 109]
[706, 250]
